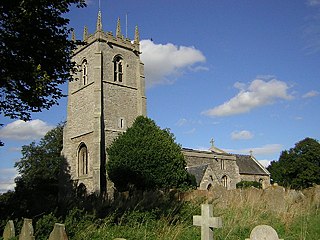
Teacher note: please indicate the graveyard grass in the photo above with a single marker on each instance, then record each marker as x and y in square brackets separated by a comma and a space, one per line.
[167, 220]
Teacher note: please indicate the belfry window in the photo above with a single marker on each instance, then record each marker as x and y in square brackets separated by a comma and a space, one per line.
[223, 167]
[84, 72]
[83, 160]
[118, 69]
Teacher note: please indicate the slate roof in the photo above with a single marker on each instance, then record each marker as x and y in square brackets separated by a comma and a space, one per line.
[198, 171]
[249, 165]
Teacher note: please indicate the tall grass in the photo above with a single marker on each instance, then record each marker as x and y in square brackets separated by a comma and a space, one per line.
[155, 216]
[241, 211]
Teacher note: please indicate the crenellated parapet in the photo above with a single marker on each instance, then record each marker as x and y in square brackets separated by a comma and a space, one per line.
[101, 36]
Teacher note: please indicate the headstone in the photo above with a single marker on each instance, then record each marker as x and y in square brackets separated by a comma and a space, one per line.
[27, 230]
[58, 232]
[275, 199]
[207, 222]
[119, 239]
[263, 232]
[9, 231]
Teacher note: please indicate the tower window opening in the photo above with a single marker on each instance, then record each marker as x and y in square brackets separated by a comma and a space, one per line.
[121, 123]
[118, 69]
[83, 160]
[84, 72]
[223, 167]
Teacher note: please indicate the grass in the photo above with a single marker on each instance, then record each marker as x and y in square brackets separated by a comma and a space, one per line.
[299, 221]
[155, 218]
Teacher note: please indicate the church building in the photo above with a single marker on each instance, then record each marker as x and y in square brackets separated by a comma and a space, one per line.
[106, 96]
[217, 167]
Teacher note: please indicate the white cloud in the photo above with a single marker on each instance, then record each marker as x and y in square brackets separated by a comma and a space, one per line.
[313, 2]
[191, 131]
[241, 135]
[89, 2]
[7, 176]
[163, 63]
[298, 118]
[264, 150]
[182, 122]
[310, 94]
[265, 163]
[21, 130]
[14, 149]
[257, 94]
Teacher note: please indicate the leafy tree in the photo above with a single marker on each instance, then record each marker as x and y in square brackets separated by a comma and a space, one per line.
[299, 167]
[41, 170]
[35, 54]
[146, 157]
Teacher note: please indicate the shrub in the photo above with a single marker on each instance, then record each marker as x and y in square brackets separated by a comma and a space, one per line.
[247, 184]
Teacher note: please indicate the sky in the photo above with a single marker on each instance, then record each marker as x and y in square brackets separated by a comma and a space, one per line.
[244, 72]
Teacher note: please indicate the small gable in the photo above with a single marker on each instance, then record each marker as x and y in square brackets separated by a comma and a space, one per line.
[198, 171]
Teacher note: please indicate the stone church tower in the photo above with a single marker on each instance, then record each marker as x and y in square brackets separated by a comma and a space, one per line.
[108, 93]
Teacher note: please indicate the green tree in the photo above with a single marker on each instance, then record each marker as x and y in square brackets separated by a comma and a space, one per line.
[146, 157]
[35, 54]
[299, 167]
[41, 170]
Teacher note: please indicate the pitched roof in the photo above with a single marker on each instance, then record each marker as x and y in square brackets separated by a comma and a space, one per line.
[207, 154]
[249, 165]
[198, 171]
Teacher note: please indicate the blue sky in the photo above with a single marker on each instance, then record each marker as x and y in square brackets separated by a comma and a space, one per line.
[246, 73]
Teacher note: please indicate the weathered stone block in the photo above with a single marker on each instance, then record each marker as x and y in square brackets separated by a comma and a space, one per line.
[9, 230]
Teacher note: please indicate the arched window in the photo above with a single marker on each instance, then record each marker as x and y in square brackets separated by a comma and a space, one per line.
[224, 181]
[83, 160]
[118, 69]
[84, 72]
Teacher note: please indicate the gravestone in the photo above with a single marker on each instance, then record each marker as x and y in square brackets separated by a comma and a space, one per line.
[263, 232]
[275, 198]
[27, 230]
[9, 231]
[58, 232]
[207, 222]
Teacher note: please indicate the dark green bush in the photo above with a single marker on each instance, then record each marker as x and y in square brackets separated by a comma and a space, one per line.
[247, 184]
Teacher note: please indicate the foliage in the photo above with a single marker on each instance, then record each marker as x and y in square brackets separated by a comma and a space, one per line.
[299, 167]
[248, 184]
[299, 221]
[35, 54]
[40, 170]
[146, 157]
[77, 219]
[45, 225]
[239, 218]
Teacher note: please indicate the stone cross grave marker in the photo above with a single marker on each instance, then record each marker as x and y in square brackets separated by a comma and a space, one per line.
[263, 232]
[58, 232]
[27, 230]
[9, 231]
[207, 222]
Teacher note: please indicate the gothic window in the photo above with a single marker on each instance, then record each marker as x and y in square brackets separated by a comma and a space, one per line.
[83, 160]
[222, 165]
[118, 69]
[224, 181]
[84, 72]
